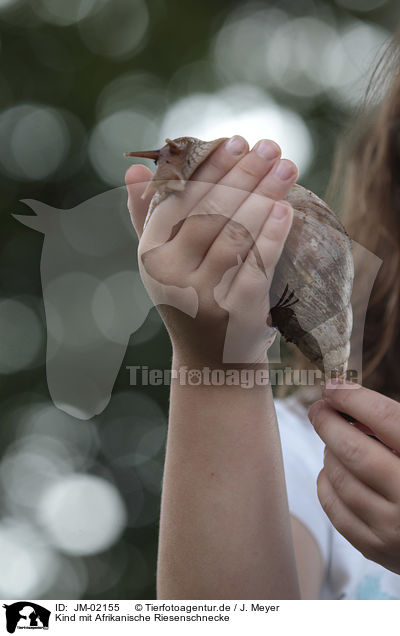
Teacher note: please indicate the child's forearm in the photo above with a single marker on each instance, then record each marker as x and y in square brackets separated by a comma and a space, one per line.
[224, 529]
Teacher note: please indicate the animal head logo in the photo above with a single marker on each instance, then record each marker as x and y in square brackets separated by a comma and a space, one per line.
[94, 298]
[25, 614]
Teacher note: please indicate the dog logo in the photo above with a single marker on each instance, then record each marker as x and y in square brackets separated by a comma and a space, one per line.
[26, 615]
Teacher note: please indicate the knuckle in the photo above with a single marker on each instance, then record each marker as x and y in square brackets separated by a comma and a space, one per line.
[389, 531]
[369, 551]
[247, 169]
[337, 478]
[350, 451]
[198, 227]
[328, 504]
[215, 161]
[318, 420]
[236, 234]
[273, 231]
[385, 411]
[395, 536]
[157, 263]
[342, 397]
[326, 499]
[373, 549]
[148, 258]
[211, 207]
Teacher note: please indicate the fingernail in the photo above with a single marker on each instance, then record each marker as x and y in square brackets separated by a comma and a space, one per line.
[284, 170]
[236, 145]
[279, 211]
[267, 149]
[314, 409]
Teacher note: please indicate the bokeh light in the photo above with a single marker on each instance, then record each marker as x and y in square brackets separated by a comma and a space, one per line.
[5, 4]
[301, 56]
[28, 564]
[350, 60]
[128, 445]
[138, 91]
[117, 134]
[66, 13]
[35, 141]
[82, 514]
[72, 579]
[293, 55]
[117, 301]
[24, 335]
[116, 29]
[361, 5]
[42, 420]
[105, 570]
[29, 466]
[71, 323]
[240, 109]
[240, 45]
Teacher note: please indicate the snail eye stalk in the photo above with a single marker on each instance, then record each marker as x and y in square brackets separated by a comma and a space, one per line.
[144, 154]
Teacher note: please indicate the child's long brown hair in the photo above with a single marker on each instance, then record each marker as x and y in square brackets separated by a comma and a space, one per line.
[367, 179]
[365, 188]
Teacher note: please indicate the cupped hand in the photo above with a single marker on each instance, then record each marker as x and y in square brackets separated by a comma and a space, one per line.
[207, 254]
[359, 485]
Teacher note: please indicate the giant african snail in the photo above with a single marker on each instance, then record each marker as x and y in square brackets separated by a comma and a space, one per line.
[312, 284]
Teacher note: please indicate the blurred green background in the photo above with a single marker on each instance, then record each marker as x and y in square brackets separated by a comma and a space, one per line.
[81, 82]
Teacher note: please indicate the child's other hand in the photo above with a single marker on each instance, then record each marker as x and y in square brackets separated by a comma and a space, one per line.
[359, 486]
[208, 254]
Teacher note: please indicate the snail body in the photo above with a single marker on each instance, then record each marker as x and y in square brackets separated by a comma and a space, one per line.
[312, 284]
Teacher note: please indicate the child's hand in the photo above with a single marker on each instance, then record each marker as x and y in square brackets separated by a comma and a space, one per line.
[359, 486]
[208, 254]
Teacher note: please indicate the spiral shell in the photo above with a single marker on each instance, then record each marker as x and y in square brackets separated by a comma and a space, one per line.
[317, 266]
[312, 284]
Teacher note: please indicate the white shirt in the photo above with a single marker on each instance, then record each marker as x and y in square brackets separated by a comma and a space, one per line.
[348, 574]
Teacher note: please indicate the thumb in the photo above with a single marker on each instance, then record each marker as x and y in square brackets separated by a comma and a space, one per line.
[136, 179]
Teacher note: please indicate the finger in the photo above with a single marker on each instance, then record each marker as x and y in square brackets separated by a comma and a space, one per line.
[231, 197]
[363, 456]
[233, 242]
[212, 171]
[172, 211]
[233, 188]
[277, 183]
[199, 232]
[136, 179]
[192, 240]
[344, 520]
[251, 284]
[224, 157]
[365, 503]
[273, 234]
[256, 208]
[378, 412]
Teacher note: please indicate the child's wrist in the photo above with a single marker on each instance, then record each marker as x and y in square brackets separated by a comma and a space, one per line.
[189, 370]
[182, 356]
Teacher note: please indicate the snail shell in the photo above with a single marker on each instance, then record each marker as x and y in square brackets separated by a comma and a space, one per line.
[312, 284]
